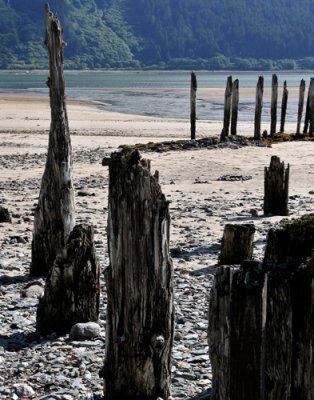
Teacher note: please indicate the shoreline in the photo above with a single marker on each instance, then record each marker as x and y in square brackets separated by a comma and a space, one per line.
[30, 113]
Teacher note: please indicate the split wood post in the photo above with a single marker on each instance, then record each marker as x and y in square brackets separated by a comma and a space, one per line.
[311, 107]
[247, 322]
[284, 103]
[300, 105]
[235, 107]
[54, 216]
[72, 286]
[276, 188]
[193, 104]
[258, 108]
[227, 106]
[140, 315]
[273, 107]
[237, 243]
[219, 333]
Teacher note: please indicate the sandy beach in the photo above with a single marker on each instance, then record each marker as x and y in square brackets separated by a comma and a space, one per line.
[203, 199]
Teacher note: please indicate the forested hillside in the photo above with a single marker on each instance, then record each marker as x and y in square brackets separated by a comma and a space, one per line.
[211, 34]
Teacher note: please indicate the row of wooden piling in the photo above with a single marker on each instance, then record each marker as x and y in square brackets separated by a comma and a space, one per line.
[231, 107]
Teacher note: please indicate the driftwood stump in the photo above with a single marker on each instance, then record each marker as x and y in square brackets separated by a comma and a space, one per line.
[258, 108]
[140, 313]
[276, 188]
[237, 244]
[54, 215]
[72, 286]
[261, 321]
[193, 105]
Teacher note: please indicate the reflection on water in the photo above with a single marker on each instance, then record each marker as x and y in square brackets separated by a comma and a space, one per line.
[164, 94]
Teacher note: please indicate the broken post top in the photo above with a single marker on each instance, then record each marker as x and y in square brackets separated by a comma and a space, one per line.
[193, 81]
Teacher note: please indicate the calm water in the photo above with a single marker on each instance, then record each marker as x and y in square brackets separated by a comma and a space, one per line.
[162, 94]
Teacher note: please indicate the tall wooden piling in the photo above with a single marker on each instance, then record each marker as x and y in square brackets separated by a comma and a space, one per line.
[140, 314]
[193, 104]
[54, 216]
[227, 106]
[235, 107]
[258, 108]
[300, 105]
[273, 106]
[307, 114]
[276, 188]
[284, 104]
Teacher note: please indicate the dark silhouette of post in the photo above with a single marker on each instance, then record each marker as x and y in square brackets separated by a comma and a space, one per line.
[258, 108]
[284, 104]
[300, 105]
[140, 314]
[276, 188]
[54, 216]
[227, 106]
[193, 104]
[307, 114]
[273, 110]
[235, 107]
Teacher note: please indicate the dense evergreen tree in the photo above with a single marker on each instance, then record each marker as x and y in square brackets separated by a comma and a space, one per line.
[216, 34]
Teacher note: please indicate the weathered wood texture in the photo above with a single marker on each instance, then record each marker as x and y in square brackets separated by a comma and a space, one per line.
[261, 321]
[140, 316]
[193, 105]
[235, 107]
[54, 215]
[273, 105]
[237, 243]
[276, 188]
[258, 108]
[72, 286]
[227, 106]
[300, 105]
[284, 103]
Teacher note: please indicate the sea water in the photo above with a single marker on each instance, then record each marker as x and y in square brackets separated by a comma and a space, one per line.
[164, 94]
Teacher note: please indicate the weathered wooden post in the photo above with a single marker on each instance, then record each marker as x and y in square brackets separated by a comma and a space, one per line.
[300, 105]
[311, 107]
[227, 106]
[307, 114]
[261, 321]
[284, 103]
[273, 107]
[193, 104]
[276, 188]
[235, 107]
[140, 314]
[54, 215]
[237, 243]
[72, 286]
[258, 108]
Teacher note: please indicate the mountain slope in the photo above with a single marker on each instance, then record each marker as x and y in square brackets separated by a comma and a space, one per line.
[166, 33]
